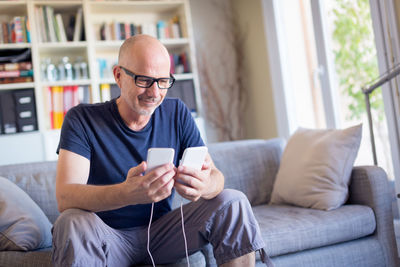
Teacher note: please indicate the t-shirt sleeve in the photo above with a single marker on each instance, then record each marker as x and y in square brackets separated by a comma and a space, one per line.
[73, 135]
[190, 133]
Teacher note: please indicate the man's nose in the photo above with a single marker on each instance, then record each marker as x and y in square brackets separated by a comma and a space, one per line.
[153, 90]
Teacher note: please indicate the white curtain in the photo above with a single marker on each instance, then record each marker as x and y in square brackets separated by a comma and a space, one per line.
[385, 18]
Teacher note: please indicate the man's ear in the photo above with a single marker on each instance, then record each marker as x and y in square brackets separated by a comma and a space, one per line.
[117, 75]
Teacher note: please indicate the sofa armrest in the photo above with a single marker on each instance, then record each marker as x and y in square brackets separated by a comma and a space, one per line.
[369, 186]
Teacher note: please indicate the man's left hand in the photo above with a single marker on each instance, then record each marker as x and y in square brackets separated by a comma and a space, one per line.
[193, 184]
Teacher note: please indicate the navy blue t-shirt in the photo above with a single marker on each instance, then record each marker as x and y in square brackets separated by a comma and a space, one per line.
[98, 133]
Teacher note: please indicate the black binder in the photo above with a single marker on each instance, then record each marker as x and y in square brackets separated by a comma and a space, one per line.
[8, 113]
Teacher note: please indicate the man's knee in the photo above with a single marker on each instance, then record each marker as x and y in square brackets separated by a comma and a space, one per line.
[74, 218]
[228, 196]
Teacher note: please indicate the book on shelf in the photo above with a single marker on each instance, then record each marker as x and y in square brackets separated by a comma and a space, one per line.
[51, 26]
[16, 73]
[78, 25]
[61, 28]
[179, 63]
[15, 31]
[105, 92]
[16, 66]
[16, 80]
[122, 30]
[57, 106]
[59, 99]
[109, 91]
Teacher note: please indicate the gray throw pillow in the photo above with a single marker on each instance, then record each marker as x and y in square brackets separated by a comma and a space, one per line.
[23, 225]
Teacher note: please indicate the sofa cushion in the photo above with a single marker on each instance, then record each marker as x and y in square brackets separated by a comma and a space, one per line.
[23, 225]
[288, 229]
[315, 168]
[42, 258]
[249, 166]
[38, 180]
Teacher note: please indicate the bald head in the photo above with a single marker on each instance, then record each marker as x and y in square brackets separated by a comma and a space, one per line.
[141, 51]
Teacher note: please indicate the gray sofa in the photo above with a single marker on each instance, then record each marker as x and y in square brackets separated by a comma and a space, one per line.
[360, 233]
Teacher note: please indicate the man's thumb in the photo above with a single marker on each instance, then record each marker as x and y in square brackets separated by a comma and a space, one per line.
[139, 169]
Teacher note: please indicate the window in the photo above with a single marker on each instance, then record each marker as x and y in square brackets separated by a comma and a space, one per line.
[327, 53]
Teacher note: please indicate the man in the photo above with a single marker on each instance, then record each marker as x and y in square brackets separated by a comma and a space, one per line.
[104, 196]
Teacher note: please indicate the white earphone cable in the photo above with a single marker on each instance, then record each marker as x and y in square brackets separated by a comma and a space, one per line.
[184, 235]
[148, 234]
[183, 231]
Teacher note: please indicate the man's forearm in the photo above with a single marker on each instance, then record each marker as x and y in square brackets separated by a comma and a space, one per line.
[218, 181]
[91, 197]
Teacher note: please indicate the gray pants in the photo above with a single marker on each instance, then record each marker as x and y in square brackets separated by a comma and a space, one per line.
[81, 238]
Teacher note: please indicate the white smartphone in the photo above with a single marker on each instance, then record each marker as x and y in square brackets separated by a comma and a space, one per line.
[157, 157]
[194, 157]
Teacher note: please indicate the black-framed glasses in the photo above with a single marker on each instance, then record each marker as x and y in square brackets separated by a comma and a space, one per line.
[146, 81]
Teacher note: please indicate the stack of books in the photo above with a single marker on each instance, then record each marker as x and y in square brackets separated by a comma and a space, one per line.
[60, 99]
[15, 31]
[16, 72]
[51, 26]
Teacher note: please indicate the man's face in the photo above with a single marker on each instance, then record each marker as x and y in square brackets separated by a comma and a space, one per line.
[142, 101]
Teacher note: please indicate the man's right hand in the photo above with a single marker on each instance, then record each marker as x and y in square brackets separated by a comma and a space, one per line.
[154, 186]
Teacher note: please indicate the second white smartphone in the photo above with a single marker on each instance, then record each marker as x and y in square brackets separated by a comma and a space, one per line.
[157, 157]
[194, 157]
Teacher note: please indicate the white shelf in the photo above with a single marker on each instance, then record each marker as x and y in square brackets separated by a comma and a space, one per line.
[66, 83]
[115, 44]
[183, 76]
[107, 80]
[13, 8]
[63, 47]
[13, 86]
[111, 7]
[15, 45]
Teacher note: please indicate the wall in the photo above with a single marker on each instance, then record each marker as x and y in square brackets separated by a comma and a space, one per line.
[260, 117]
[210, 33]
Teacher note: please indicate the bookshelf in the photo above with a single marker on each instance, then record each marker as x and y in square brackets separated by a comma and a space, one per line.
[104, 24]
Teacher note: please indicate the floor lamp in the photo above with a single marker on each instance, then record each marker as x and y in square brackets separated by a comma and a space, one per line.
[367, 91]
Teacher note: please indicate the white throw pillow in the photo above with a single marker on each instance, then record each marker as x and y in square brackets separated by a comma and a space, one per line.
[315, 168]
[23, 225]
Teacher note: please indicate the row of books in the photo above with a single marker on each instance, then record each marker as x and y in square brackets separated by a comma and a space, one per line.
[15, 31]
[17, 111]
[54, 28]
[16, 72]
[122, 30]
[59, 99]
[179, 63]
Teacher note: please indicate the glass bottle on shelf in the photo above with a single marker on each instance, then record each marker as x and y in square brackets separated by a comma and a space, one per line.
[51, 71]
[61, 71]
[68, 69]
[77, 69]
[84, 70]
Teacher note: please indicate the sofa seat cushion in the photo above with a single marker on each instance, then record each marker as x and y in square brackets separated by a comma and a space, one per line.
[288, 229]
